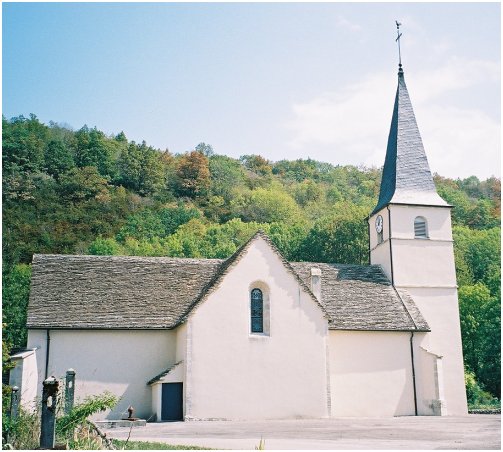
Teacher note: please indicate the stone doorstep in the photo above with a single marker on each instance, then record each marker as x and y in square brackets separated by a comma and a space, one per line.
[121, 423]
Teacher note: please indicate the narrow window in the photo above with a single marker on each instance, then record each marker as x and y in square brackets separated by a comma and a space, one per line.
[380, 237]
[420, 228]
[257, 311]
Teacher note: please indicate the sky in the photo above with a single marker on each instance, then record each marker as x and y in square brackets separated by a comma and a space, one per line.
[283, 80]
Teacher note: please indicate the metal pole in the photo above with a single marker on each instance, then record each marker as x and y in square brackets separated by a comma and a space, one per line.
[69, 390]
[49, 402]
[14, 403]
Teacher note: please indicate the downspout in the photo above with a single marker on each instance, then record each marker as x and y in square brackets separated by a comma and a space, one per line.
[48, 342]
[413, 370]
[390, 248]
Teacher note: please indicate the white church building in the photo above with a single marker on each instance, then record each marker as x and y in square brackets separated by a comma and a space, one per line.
[258, 337]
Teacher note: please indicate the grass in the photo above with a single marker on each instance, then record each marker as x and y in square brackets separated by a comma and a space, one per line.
[145, 445]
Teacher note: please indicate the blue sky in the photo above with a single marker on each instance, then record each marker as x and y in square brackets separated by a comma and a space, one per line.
[291, 81]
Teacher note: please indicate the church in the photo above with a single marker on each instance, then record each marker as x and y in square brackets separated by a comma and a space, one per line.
[257, 337]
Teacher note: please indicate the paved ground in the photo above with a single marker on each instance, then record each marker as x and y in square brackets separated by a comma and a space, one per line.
[477, 431]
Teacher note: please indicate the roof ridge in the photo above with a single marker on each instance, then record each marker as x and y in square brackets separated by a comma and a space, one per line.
[110, 256]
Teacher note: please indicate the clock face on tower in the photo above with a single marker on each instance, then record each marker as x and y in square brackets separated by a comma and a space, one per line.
[379, 224]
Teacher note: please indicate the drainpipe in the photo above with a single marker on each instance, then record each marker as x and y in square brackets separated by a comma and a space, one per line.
[413, 370]
[48, 342]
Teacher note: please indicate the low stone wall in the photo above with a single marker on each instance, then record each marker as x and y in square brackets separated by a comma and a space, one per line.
[485, 411]
[121, 423]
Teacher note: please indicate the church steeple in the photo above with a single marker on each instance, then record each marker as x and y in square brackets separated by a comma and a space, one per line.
[406, 177]
[410, 237]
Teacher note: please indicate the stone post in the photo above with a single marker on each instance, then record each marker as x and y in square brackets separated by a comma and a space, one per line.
[14, 403]
[49, 401]
[69, 390]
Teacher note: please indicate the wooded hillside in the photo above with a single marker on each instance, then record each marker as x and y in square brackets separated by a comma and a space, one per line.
[83, 192]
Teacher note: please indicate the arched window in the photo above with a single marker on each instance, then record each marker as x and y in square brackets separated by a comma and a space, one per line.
[420, 228]
[257, 311]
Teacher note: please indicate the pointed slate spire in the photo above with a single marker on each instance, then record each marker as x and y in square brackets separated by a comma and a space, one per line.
[406, 177]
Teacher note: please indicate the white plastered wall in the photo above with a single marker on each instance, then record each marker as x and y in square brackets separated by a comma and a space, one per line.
[429, 378]
[234, 374]
[371, 374]
[23, 375]
[38, 339]
[119, 361]
[422, 262]
[380, 252]
[440, 308]
[425, 268]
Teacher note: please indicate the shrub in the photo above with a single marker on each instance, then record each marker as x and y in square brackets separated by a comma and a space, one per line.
[475, 394]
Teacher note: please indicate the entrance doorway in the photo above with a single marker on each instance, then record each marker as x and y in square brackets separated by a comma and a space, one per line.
[172, 402]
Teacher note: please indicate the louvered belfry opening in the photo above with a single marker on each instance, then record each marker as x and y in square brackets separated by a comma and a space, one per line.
[420, 229]
[257, 311]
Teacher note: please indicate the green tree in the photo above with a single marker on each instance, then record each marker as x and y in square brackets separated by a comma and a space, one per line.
[58, 158]
[94, 149]
[205, 149]
[297, 170]
[80, 184]
[481, 250]
[307, 192]
[15, 293]
[257, 164]
[480, 327]
[140, 168]
[226, 174]
[174, 216]
[23, 143]
[148, 224]
[341, 236]
[289, 238]
[270, 205]
[105, 247]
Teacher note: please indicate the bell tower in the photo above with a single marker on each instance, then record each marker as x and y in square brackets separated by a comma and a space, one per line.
[411, 238]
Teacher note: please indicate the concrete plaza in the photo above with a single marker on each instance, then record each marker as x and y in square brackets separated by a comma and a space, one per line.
[468, 432]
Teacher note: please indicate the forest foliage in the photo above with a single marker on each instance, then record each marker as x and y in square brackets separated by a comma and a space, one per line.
[83, 192]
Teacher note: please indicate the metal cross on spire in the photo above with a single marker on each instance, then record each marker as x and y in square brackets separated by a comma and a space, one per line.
[399, 35]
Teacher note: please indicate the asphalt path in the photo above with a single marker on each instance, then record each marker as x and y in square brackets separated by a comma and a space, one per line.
[472, 432]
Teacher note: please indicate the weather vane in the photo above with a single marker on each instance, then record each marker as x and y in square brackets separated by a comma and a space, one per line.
[399, 35]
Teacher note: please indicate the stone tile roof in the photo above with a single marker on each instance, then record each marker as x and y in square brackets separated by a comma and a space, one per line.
[360, 297]
[118, 292]
[115, 291]
[406, 177]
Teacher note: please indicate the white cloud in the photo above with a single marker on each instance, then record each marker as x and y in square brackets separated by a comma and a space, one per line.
[350, 125]
[461, 142]
[345, 23]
